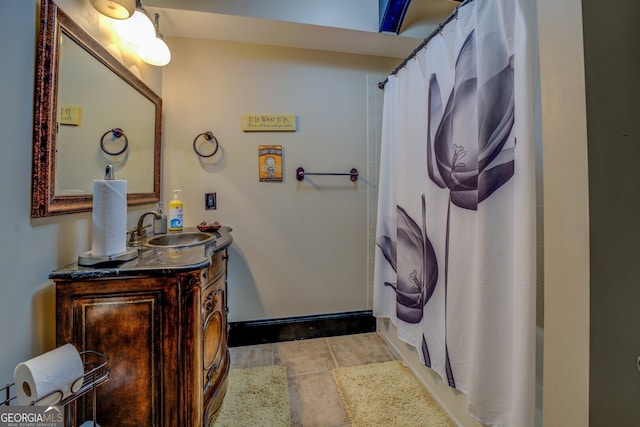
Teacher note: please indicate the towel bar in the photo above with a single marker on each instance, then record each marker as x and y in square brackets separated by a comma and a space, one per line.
[300, 173]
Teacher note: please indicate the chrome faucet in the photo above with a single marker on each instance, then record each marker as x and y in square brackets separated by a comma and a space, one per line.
[139, 234]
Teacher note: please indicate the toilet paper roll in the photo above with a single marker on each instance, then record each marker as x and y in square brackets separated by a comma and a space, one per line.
[109, 216]
[58, 371]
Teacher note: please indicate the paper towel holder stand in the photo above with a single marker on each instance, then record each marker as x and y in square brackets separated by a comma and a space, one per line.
[96, 372]
[89, 260]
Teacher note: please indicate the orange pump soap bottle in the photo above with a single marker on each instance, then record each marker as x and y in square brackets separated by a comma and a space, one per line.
[175, 212]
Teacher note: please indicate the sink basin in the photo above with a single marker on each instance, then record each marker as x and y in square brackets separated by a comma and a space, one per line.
[179, 240]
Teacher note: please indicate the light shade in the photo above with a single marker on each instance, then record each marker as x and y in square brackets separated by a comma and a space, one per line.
[155, 52]
[116, 9]
[138, 29]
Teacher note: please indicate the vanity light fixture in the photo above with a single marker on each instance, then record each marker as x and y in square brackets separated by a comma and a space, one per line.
[155, 51]
[138, 29]
[116, 9]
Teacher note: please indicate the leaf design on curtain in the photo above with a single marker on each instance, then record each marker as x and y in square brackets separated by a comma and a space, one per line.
[388, 247]
[417, 281]
[471, 166]
[425, 352]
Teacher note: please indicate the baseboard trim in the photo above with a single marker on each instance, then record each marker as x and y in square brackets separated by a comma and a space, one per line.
[298, 328]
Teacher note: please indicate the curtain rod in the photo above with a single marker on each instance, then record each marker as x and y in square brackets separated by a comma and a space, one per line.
[454, 15]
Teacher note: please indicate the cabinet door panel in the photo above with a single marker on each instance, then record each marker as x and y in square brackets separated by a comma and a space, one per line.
[215, 353]
[213, 331]
[127, 328]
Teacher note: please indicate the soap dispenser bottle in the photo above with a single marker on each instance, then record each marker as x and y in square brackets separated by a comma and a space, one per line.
[175, 212]
[160, 225]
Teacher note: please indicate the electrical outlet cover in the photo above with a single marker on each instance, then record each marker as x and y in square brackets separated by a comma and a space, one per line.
[210, 201]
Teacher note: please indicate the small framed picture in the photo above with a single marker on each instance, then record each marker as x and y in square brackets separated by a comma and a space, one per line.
[270, 163]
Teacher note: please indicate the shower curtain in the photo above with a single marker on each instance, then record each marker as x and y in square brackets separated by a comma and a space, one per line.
[455, 239]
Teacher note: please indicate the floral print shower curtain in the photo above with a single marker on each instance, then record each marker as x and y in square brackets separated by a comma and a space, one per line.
[455, 256]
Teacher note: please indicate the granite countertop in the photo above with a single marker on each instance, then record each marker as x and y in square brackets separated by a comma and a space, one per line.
[153, 261]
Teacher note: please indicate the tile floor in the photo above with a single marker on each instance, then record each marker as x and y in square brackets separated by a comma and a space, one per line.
[314, 397]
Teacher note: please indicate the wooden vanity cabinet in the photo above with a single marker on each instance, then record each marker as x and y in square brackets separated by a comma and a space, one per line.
[166, 336]
[207, 322]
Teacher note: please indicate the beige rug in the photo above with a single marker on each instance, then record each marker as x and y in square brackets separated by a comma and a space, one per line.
[255, 397]
[387, 394]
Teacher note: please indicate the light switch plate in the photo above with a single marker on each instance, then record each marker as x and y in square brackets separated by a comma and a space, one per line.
[210, 201]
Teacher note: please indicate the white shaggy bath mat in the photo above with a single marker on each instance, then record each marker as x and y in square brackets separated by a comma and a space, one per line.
[387, 394]
[255, 397]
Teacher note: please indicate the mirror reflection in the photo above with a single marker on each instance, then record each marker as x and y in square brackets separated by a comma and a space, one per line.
[90, 111]
[93, 100]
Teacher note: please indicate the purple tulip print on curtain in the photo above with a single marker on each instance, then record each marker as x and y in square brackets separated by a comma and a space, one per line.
[471, 163]
[455, 253]
[471, 166]
[413, 290]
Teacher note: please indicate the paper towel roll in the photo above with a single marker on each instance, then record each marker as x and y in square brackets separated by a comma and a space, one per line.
[109, 217]
[60, 371]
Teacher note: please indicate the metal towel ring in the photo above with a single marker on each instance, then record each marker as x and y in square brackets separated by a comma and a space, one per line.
[208, 135]
[117, 133]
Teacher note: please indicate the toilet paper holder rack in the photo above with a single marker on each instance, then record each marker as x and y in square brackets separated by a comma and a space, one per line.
[96, 372]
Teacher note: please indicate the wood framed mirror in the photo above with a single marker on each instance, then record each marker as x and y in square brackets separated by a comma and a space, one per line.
[77, 76]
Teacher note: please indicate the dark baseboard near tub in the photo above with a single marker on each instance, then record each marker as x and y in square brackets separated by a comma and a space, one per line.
[299, 328]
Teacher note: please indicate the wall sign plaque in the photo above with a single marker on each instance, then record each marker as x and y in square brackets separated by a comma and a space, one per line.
[269, 122]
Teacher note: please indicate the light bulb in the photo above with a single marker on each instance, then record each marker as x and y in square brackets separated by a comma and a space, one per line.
[155, 52]
[137, 30]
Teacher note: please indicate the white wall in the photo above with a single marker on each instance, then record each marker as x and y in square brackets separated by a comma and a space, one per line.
[300, 248]
[566, 214]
